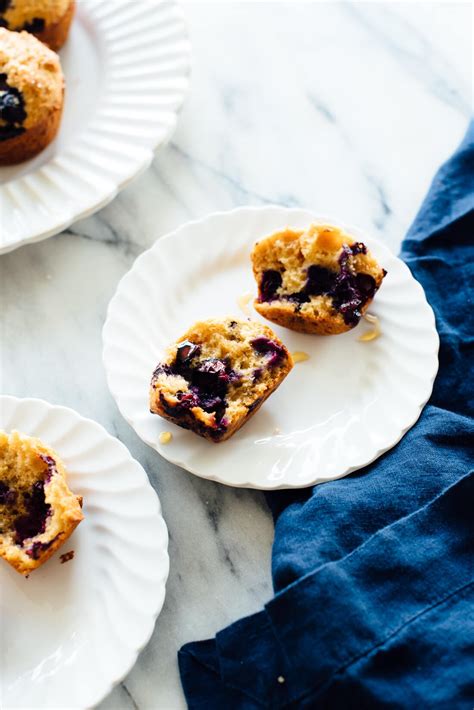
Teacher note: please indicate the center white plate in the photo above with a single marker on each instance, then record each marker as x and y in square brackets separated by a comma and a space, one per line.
[71, 631]
[126, 64]
[334, 413]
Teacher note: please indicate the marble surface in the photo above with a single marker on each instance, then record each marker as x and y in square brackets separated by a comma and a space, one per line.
[344, 108]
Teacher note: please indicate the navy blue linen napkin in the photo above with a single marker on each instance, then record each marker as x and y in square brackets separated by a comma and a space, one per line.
[374, 573]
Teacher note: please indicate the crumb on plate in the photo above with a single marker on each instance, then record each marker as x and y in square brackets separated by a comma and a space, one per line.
[371, 334]
[66, 556]
[299, 356]
[243, 302]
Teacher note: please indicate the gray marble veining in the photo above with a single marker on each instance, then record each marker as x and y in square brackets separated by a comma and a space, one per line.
[346, 108]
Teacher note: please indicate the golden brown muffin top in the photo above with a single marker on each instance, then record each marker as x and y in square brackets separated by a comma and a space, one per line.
[21, 12]
[34, 70]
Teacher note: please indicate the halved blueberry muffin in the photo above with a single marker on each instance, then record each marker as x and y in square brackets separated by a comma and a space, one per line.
[31, 96]
[218, 375]
[316, 281]
[38, 512]
[49, 20]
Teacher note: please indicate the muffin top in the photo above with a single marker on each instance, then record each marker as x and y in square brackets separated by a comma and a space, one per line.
[31, 82]
[31, 15]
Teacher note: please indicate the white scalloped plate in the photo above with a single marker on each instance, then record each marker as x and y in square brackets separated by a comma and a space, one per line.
[335, 413]
[127, 70]
[71, 631]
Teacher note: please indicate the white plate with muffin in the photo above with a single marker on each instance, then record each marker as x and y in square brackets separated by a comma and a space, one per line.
[83, 557]
[336, 366]
[77, 126]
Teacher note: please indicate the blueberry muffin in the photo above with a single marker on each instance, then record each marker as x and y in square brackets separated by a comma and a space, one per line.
[49, 20]
[316, 281]
[218, 375]
[31, 96]
[38, 512]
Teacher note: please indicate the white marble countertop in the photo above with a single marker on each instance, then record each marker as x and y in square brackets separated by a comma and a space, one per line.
[347, 109]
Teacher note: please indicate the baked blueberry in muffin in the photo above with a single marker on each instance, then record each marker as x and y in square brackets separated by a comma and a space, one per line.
[31, 96]
[49, 20]
[38, 512]
[218, 375]
[316, 281]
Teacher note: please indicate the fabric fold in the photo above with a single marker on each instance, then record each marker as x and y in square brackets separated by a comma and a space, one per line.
[333, 614]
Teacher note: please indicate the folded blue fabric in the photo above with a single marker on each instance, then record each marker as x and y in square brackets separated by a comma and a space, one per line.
[374, 573]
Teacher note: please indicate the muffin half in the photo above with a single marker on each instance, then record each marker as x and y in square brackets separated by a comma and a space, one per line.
[31, 96]
[316, 281]
[38, 512]
[49, 20]
[214, 378]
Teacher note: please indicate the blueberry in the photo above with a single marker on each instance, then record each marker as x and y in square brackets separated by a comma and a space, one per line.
[358, 248]
[350, 293]
[210, 402]
[12, 110]
[12, 106]
[320, 280]
[218, 431]
[270, 283]
[186, 351]
[37, 548]
[185, 402]
[7, 494]
[214, 403]
[35, 25]
[266, 346]
[51, 464]
[8, 131]
[211, 375]
[33, 522]
[347, 251]
[298, 298]
[234, 377]
[366, 285]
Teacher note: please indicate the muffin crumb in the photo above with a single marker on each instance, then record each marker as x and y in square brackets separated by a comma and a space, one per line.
[243, 302]
[66, 556]
[371, 334]
[300, 356]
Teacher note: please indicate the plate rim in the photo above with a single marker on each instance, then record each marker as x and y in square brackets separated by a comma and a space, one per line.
[164, 549]
[174, 459]
[149, 152]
